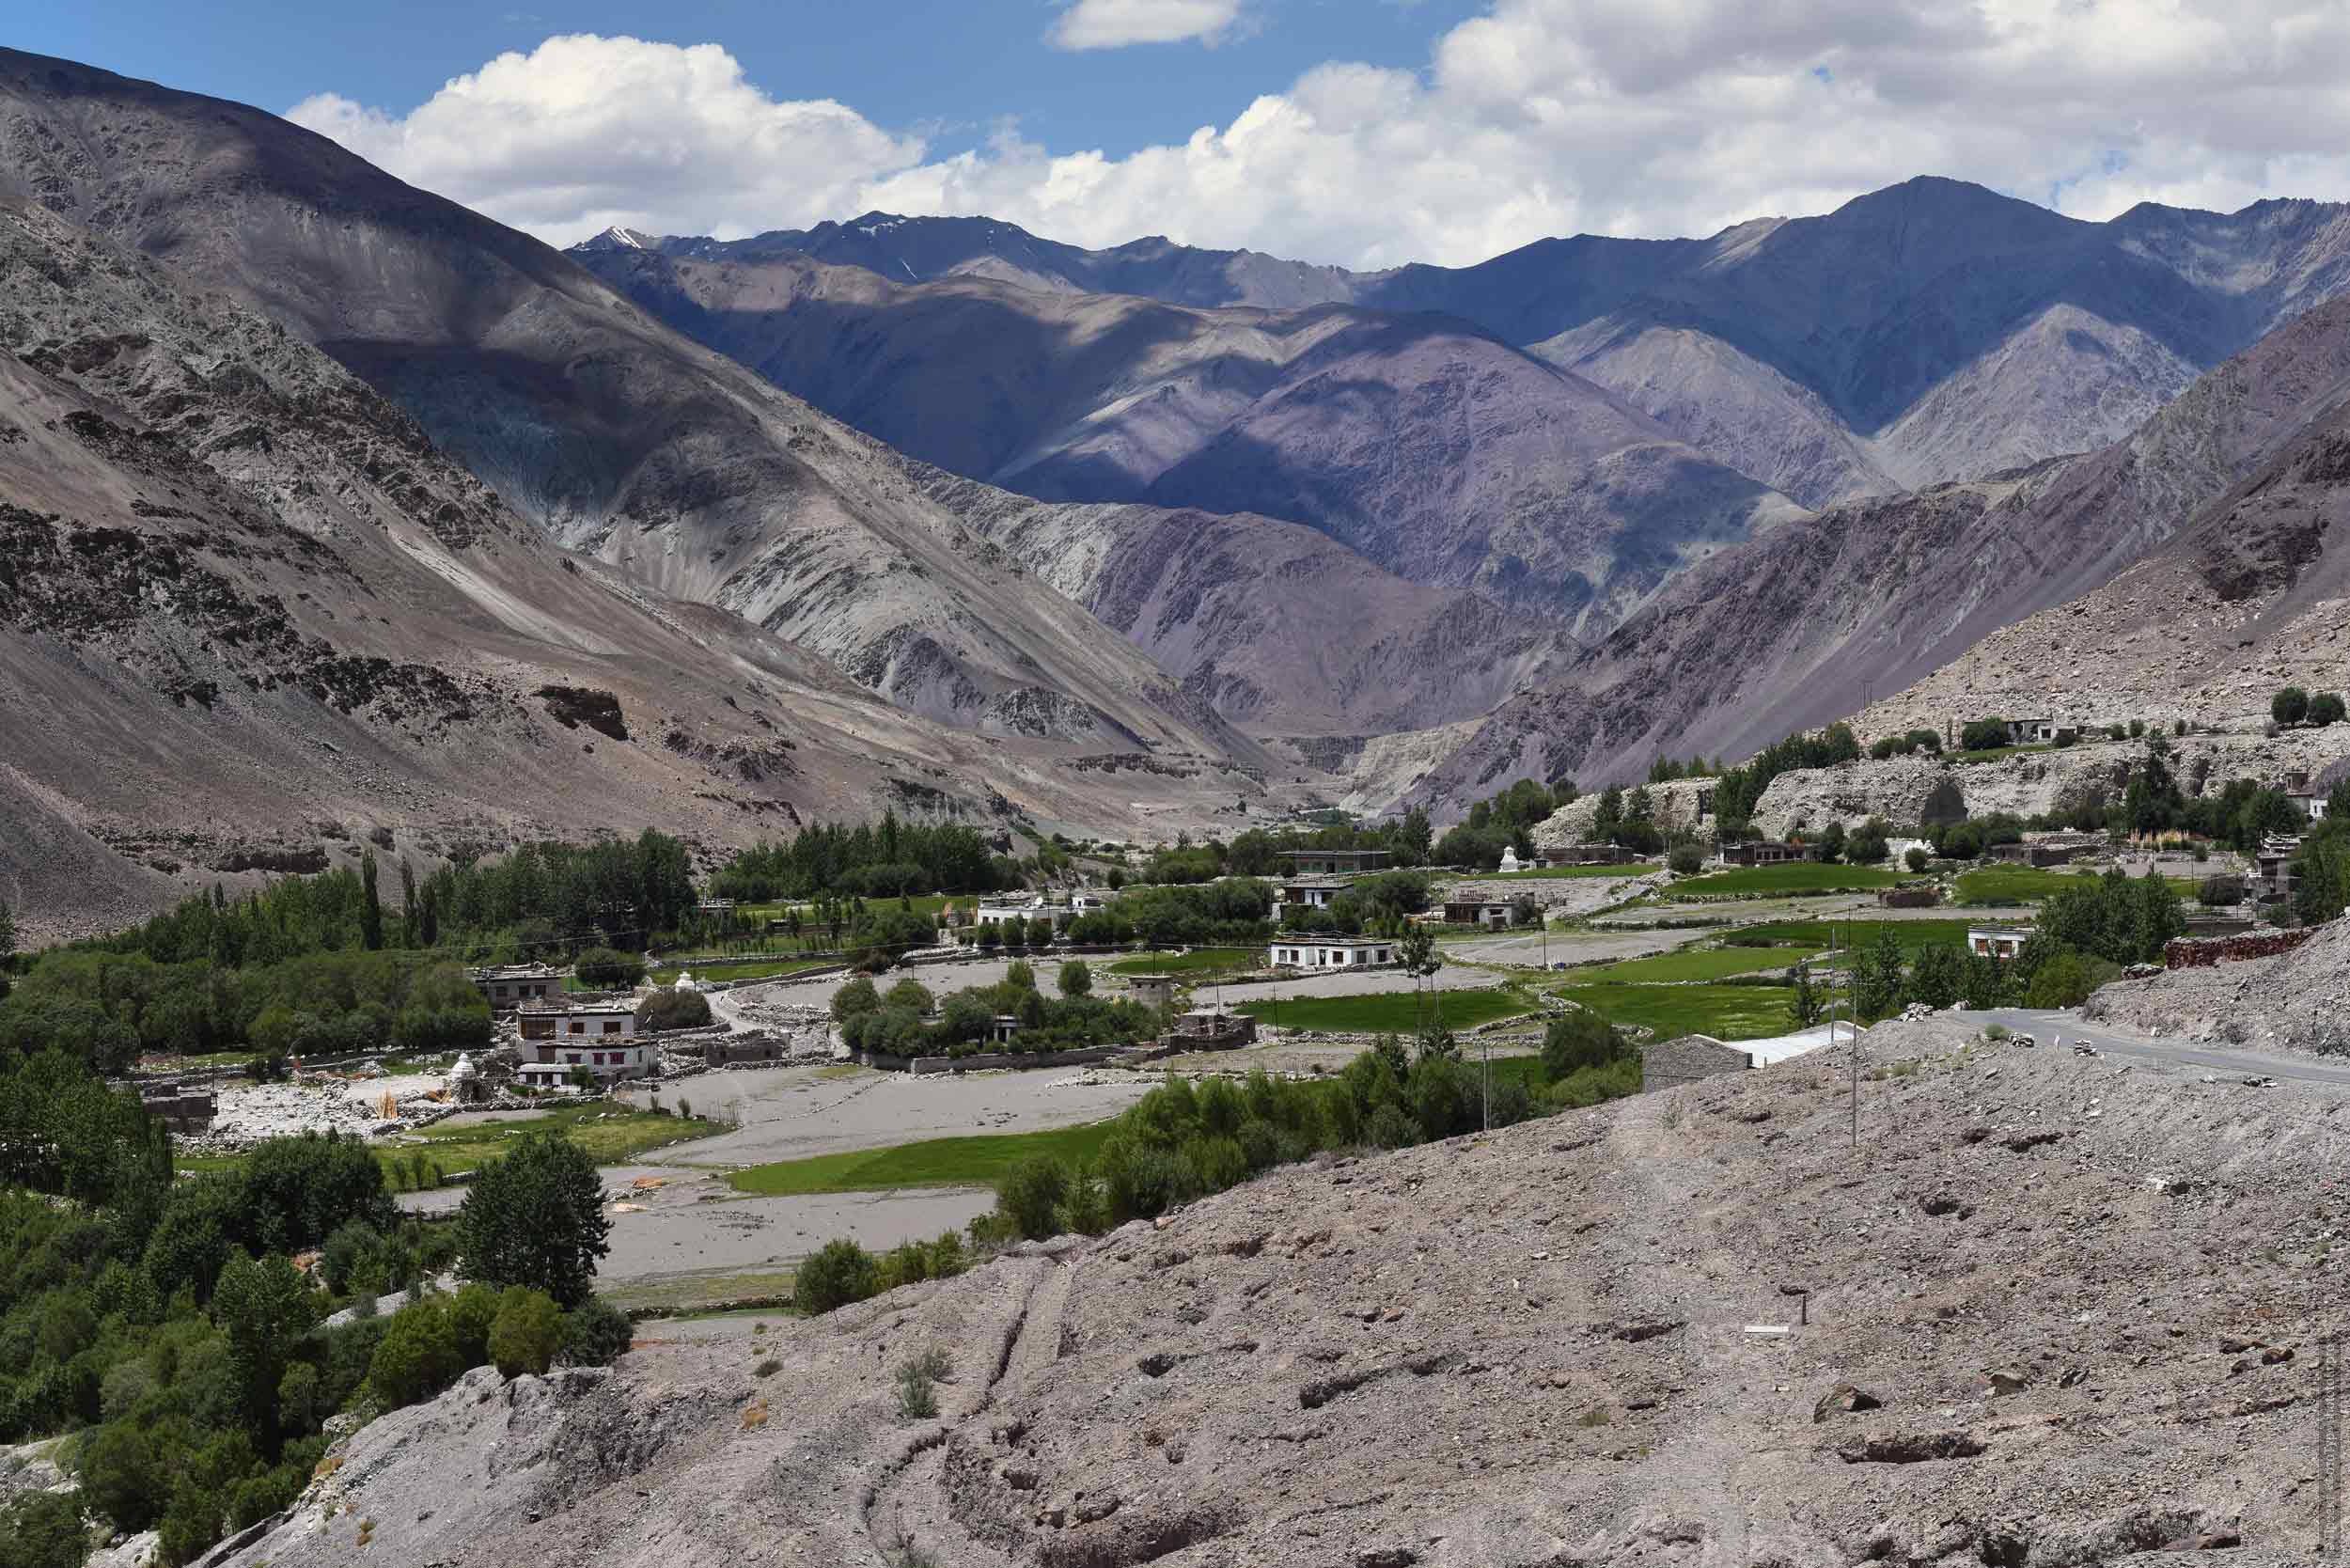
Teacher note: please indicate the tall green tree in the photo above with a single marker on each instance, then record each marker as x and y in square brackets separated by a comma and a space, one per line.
[535, 1218]
[1876, 978]
[263, 1307]
[370, 910]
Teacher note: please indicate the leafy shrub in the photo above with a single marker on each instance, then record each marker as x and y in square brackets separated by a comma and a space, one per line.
[2291, 705]
[353, 1257]
[596, 1333]
[2326, 708]
[527, 1333]
[607, 969]
[668, 1008]
[1685, 860]
[418, 1358]
[1580, 1039]
[838, 1273]
[1030, 1194]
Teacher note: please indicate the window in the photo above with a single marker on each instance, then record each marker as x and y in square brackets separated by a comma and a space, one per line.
[571, 1057]
[611, 1025]
[579, 1028]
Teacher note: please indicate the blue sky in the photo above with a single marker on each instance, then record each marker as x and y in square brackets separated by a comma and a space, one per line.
[957, 65]
[1361, 133]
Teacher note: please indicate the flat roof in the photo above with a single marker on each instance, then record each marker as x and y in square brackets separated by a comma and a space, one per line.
[2000, 931]
[1781, 1047]
[1325, 939]
[1327, 855]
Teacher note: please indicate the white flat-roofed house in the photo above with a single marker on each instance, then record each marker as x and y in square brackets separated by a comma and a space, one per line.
[601, 1038]
[1307, 952]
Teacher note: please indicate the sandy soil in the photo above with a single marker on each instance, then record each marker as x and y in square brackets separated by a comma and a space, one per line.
[789, 1113]
[694, 1223]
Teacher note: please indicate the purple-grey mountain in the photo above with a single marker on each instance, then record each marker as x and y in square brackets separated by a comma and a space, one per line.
[1931, 331]
[1421, 442]
[2212, 521]
[626, 440]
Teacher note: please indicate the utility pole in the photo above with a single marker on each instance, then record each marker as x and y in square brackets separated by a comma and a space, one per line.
[1855, 1044]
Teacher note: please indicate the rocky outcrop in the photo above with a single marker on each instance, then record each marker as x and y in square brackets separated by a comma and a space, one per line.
[1673, 807]
[1900, 789]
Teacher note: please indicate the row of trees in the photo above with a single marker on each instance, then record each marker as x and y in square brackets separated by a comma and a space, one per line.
[899, 1021]
[107, 1007]
[884, 859]
[543, 899]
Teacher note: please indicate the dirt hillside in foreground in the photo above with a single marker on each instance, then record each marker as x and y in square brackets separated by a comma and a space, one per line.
[2085, 1294]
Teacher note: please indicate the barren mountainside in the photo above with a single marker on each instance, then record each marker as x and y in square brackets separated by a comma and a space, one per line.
[1428, 447]
[2022, 1325]
[252, 620]
[1934, 330]
[1819, 616]
[619, 437]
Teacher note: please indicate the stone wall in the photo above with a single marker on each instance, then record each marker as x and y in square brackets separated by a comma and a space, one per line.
[2028, 784]
[2186, 952]
[1670, 1063]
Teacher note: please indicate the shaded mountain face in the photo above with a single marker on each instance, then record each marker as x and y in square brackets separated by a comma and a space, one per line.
[620, 438]
[1931, 331]
[251, 621]
[1431, 448]
[1949, 597]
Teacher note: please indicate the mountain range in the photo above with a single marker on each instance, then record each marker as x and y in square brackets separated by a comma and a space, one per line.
[337, 511]
[1934, 330]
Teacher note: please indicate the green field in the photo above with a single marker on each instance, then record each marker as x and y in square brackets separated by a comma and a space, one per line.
[1794, 876]
[939, 1162]
[1638, 868]
[1913, 935]
[611, 1136]
[1387, 1011]
[1704, 963]
[735, 969]
[1723, 1011]
[1198, 961]
[2001, 885]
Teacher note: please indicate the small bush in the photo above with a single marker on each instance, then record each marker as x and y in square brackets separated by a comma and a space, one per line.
[839, 1272]
[672, 1009]
[1030, 1194]
[1685, 861]
[418, 1358]
[917, 1384]
[527, 1334]
[596, 1333]
[767, 1367]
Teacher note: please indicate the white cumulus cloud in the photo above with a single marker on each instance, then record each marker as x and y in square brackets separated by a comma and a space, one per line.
[1537, 117]
[585, 131]
[1116, 23]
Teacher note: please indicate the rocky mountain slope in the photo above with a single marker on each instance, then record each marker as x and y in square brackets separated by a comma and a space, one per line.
[622, 439]
[2254, 595]
[1274, 626]
[1929, 330]
[1870, 598]
[2034, 1333]
[251, 621]
[1430, 448]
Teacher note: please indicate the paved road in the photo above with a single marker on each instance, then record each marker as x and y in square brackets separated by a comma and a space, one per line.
[2049, 1028]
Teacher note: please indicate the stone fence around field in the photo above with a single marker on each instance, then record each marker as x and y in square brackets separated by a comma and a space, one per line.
[2186, 952]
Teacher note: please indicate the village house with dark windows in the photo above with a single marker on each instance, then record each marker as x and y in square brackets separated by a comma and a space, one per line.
[1332, 952]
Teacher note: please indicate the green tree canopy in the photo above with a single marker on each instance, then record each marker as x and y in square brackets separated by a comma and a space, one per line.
[535, 1218]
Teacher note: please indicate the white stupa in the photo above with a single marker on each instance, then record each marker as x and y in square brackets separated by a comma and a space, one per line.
[1510, 859]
